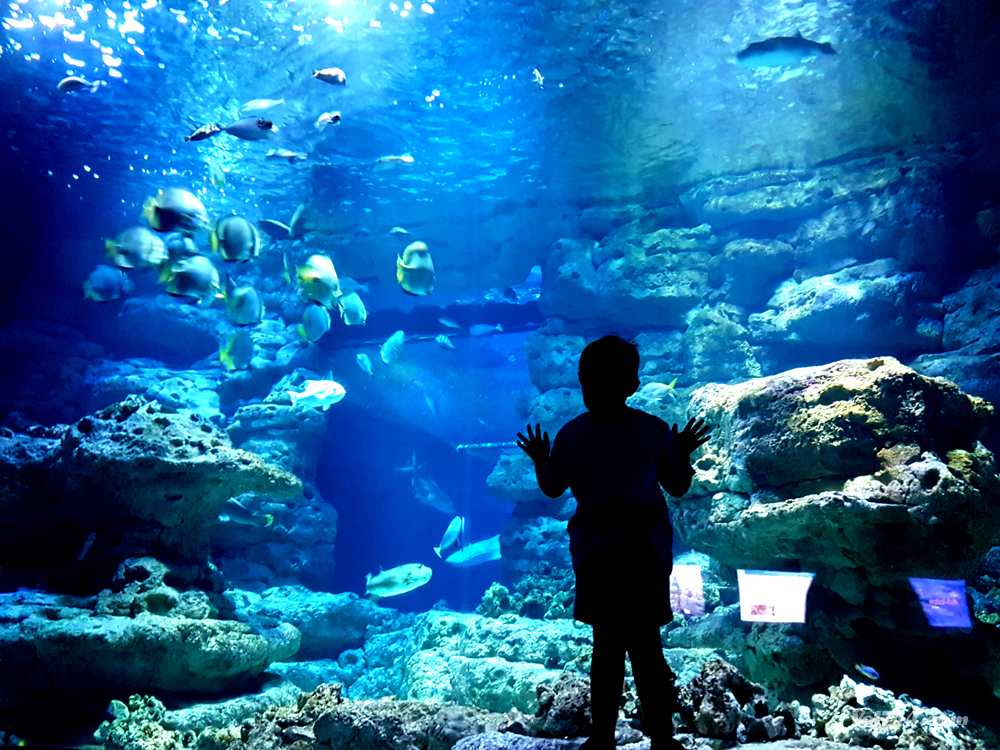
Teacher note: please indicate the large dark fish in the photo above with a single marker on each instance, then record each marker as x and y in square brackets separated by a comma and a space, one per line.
[782, 50]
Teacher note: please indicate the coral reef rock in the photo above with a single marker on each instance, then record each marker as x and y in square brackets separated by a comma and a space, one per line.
[849, 470]
[721, 703]
[131, 477]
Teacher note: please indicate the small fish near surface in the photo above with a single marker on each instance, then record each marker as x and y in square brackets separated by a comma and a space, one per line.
[396, 581]
[390, 162]
[365, 363]
[252, 129]
[75, 83]
[781, 50]
[205, 131]
[321, 394]
[392, 349]
[292, 157]
[104, 284]
[476, 553]
[237, 352]
[537, 78]
[216, 175]
[427, 491]
[315, 323]
[331, 75]
[260, 106]
[415, 270]
[452, 535]
[237, 512]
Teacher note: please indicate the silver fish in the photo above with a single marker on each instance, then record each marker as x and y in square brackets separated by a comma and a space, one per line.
[392, 349]
[365, 363]
[444, 341]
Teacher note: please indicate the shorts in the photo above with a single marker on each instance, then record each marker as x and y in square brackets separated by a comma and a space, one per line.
[619, 584]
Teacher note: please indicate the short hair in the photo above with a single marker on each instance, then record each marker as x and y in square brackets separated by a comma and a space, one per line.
[609, 371]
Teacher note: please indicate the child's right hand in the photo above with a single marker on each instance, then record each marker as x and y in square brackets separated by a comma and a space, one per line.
[535, 445]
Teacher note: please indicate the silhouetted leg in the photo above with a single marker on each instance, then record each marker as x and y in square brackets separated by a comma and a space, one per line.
[607, 677]
[654, 680]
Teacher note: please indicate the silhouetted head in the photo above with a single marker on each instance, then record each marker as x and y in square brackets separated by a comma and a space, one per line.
[609, 373]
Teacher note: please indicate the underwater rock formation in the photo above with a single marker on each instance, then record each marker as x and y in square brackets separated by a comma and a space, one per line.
[721, 703]
[129, 480]
[866, 716]
[862, 471]
[871, 307]
[190, 391]
[70, 651]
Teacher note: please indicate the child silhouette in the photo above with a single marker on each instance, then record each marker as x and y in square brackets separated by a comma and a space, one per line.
[615, 459]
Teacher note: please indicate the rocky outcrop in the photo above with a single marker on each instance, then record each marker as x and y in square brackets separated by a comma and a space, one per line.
[132, 479]
[872, 307]
[862, 471]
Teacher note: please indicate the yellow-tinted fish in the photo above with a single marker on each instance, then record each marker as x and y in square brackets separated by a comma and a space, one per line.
[396, 581]
[319, 280]
[243, 304]
[217, 175]
[136, 247]
[415, 269]
[194, 277]
[175, 209]
[315, 323]
[237, 352]
[235, 238]
[352, 309]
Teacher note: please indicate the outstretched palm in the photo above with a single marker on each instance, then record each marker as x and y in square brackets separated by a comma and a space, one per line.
[694, 435]
[536, 445]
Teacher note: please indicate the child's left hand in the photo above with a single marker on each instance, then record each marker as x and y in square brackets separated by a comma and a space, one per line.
[535, 445]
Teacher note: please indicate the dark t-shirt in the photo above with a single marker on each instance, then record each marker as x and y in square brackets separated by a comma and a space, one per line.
[615, 463]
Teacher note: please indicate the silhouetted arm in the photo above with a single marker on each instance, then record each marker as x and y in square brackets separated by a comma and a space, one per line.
[551, 469]
[674, 472]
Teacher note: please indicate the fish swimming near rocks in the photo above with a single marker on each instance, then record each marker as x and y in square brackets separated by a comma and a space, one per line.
[318, 279]
[396, 581]
[237, 512]
[237, 352]
[243, 304]
[194, 277]
[427, 491]
[392, 349]
[318, 393]
[658, 391]
[315, 323]
[352, 309]
[415, 270]
[476, 553]
[781, 50]
[452, 535]
[105, 283]
[867, 671]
